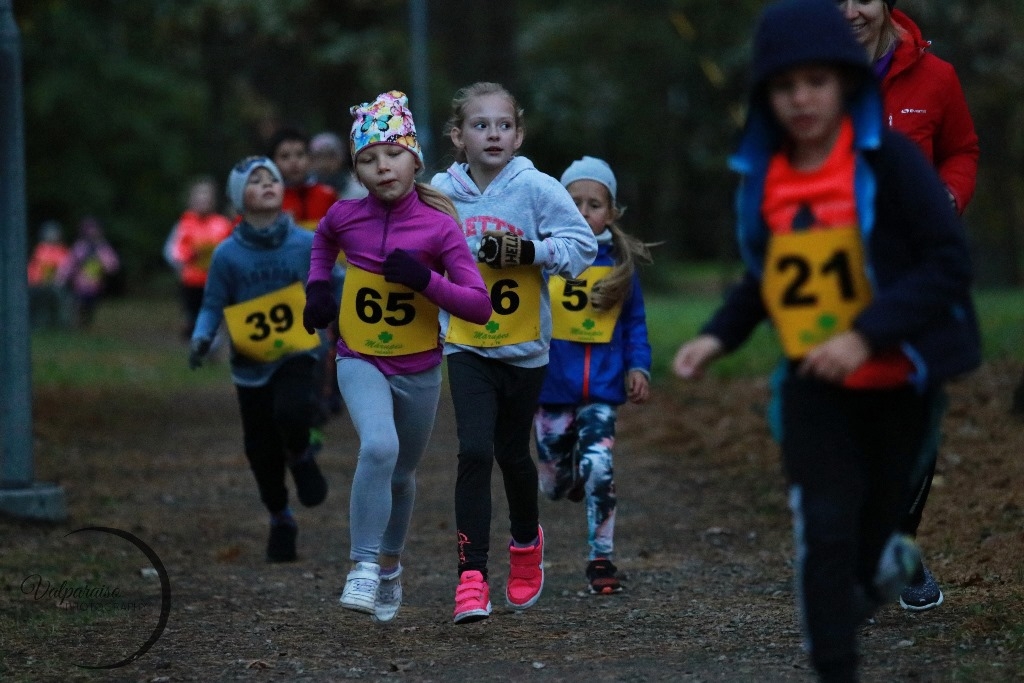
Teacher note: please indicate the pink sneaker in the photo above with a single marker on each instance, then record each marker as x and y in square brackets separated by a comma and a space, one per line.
[472, 598]
[525, 573]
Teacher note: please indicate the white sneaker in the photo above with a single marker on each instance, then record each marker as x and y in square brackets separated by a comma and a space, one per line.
[360, 592]
[389, 597]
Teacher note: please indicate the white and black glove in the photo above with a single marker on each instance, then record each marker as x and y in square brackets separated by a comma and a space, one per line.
[504, 250]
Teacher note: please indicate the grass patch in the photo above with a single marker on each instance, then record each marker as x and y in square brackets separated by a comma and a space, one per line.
[135, 340]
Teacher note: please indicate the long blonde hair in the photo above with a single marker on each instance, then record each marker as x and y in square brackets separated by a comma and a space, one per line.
[463, 96]
[628, 252]
[890, 35]
[436, 199]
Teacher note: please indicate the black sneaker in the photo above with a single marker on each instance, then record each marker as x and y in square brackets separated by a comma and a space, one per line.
[922, 595]
[281, 544]
[601, 578]
[310, 485]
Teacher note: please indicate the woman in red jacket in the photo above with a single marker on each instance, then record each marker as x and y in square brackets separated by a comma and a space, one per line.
[922, 99]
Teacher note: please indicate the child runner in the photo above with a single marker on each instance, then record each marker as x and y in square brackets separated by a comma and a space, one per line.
[90, 262]
[522, 224]
[255, 285]
[308, 200]
[304, 198]
[599, 359]
[853, 250]
[401, 241]
[190, 246]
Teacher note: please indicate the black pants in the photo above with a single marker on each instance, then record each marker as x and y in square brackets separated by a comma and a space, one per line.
[494, 407]
[850, 458]
[276, 419]
[191, 304]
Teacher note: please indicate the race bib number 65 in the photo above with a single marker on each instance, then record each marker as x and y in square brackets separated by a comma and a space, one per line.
[380, 318]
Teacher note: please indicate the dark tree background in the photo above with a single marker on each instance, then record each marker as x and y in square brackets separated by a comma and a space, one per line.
[126, 100]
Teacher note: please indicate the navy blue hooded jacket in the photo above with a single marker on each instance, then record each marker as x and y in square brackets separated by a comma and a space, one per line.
[917, 255]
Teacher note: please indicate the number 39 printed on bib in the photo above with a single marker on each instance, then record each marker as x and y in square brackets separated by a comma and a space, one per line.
[814, 285]
[267, 327]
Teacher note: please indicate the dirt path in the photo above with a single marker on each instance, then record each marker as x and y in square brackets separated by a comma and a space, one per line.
[702, 540]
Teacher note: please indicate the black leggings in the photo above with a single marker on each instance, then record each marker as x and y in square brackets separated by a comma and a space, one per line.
[276, 419]
[850, 458]
[494, 407]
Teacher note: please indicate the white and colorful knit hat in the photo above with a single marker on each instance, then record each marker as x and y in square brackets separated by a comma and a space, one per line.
[385, 121]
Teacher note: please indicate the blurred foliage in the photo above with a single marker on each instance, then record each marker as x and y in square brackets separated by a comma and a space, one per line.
[126, 100]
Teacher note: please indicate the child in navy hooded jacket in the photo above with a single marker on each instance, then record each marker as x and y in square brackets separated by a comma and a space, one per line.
[853, 251]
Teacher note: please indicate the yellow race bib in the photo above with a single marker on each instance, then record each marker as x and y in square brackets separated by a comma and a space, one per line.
[380, 318]
[515, 309]
[573, 316]
[814, 285]
[270, 326]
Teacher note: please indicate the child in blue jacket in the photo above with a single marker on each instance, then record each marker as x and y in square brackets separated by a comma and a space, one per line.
[599, 359]
[255, 286]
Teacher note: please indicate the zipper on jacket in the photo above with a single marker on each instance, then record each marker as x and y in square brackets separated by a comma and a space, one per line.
[384, 235]
[586, 372]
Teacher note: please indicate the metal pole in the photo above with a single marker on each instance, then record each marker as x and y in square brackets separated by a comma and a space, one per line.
[420, 71]
[19, 494]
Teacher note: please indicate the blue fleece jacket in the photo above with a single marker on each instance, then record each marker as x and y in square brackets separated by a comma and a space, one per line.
[582, 373]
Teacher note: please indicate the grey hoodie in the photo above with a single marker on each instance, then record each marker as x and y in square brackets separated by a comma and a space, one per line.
[534, 205]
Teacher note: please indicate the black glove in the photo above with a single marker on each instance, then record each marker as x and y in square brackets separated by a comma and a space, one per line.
[402, 267]
[504, 250]
[321, 308]
[199, 347]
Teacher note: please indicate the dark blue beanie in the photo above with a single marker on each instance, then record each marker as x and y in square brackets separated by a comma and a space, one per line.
[795, 32]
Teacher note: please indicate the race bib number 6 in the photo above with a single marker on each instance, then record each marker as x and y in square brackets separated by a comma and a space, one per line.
[814, 285]
[515, 309]
[267, 327]
[380, 318]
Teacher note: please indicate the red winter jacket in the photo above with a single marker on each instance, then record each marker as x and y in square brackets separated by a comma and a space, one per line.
[923, 100]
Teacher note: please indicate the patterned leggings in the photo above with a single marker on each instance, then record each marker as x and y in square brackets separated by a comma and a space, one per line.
[574, 444]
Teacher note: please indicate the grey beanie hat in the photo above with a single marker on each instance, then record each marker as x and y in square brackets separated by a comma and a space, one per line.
[591, 168]
[239, 176]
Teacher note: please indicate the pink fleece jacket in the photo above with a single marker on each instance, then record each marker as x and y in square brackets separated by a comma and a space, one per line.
[367, 230]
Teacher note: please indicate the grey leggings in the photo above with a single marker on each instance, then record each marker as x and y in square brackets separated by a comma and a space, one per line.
[393, 417]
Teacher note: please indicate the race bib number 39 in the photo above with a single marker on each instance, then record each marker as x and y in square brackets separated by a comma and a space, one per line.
[814, 286]
[380, 318]
[270, 326]
[515, 309]
[573, 316]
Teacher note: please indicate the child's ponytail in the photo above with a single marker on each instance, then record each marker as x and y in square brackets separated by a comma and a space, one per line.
[613, 288]
[436, 199]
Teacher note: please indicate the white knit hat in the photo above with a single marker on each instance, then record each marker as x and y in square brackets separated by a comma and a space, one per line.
[591, 168]
[239, 176]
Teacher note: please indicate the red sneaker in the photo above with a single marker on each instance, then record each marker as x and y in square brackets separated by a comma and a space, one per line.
[472, 598]
[525, 573]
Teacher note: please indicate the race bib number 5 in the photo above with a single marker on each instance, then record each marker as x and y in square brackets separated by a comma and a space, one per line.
[380, 318]
[515, 309]
[814, 285]
[573, 316]
[267, 327]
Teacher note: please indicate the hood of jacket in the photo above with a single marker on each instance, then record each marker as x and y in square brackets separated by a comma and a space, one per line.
[465, 189]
